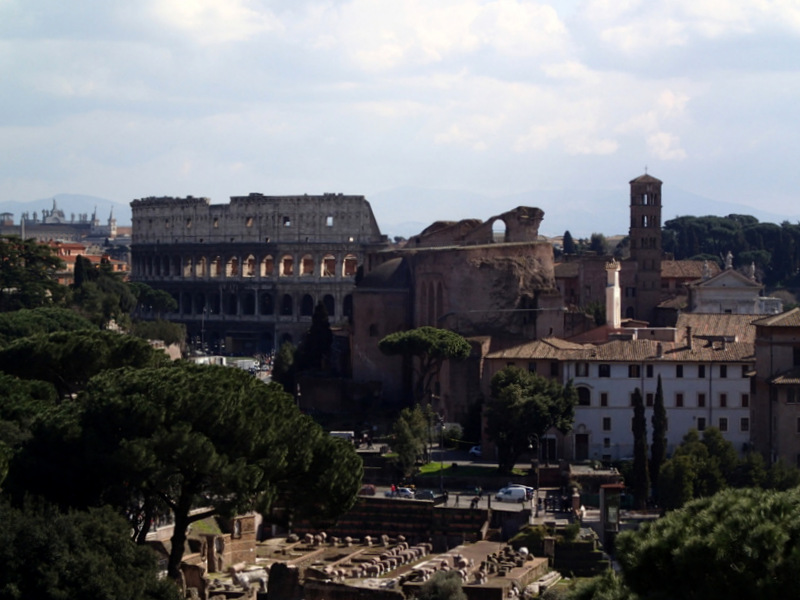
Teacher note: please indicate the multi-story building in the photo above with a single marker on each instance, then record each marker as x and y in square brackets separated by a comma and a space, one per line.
[247, 275]
[705, 364]
[776, 406]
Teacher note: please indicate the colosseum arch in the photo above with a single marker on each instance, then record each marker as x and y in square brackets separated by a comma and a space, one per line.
[307, 306]
[232, 267]
[287, 305]
[200, 267]
[267, 304]
[287, 265]
[175, 266]
[267, 266]
[187, 267]
[328, 266]
[306, 265]
[248, 301]
[249, 266]
[216, 266]
[349, 265]
[330, 305]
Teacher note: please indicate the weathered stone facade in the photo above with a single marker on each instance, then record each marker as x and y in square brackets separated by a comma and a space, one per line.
[247, 275]
[473, 277]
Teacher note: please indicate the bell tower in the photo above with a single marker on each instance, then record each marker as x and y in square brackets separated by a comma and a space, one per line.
[645, 238]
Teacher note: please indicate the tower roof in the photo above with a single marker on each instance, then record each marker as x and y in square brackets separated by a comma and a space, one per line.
[646, 179]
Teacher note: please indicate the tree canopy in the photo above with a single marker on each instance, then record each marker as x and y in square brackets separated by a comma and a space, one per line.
[182, 436]
[27, 322]
[525, 405]
[430, 347]
[736, 544]
[641, 479]
[69, 359]
[28, 274]
[49, 555]
[411, 433]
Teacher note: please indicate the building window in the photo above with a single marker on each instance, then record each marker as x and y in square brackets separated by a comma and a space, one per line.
[584, 397]
[678, 400]
[678, 371]
[603, 398]
[791, 397]
[248, 222]
[634, 371]
[723, 400]
[606, 423]
[723, 371]
[604, 370]
[329, 221]
[606, 442]
[287, 221]
[723, 424]
[531, 367]
[554, 369]
[745, 400]
[649, 369]
[701, 371]
[701, 400]
[701, 423]
[744, 424]
[744, 370]
[582, 369]
[648, 399]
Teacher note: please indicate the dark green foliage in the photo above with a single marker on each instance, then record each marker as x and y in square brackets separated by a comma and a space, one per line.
[703, 466]
[28, 274]
[522, 405]
[168, 332]
[737, 544]
[608, 586]
[411, 433]
[101, 294]
[775, 249]
[641, 479]
[152, 301]
[172, 438]
[444, 585]
[598, 244]
[27, 322]
[569, 243]
[69, 359]
[48, 555]
[658, 450]
[430, 347]
[283, 368]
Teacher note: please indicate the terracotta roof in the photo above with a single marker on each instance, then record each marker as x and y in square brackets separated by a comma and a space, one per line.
[719, 324]
[686, 269]
[645, 179]
[790, 377]
[790, 318]
[632, 351]
[567, 269]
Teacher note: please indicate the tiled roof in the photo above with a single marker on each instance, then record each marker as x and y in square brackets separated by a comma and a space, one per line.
[568, 269]
[686, 269]
[790, 377]
[790, 318]
[719, 324]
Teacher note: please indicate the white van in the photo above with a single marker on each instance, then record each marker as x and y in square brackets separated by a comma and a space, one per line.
[512, 494]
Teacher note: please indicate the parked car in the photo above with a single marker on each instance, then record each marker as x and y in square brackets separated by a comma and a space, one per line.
[511, 494]
[367, 490]
[401, 492]
[424, 495]
[528, 489]
[476, 451]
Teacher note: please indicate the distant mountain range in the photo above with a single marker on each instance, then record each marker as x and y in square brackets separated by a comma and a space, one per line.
[407, 211]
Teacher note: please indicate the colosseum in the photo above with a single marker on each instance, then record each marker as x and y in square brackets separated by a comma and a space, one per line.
[247, 275]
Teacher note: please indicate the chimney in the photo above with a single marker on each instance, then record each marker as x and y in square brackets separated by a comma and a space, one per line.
[659, 350]
[689, 341]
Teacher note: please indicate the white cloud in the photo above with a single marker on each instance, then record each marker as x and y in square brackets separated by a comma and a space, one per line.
[665, 146]
[214, 21]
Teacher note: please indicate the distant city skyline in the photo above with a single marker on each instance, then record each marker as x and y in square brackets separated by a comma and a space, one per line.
[467, 106]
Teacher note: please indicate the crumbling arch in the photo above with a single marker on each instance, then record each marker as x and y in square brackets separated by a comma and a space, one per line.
[287, 265]
[306, 265]
[499, 231]
[349, 265]
[267, 266]
[328, 266]
[216, 266]
[232, 267]
[249, 266]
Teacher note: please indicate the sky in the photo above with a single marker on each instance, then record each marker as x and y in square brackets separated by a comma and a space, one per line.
[479, 99]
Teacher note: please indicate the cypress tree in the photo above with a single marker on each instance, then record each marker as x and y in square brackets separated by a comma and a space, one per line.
[641, 481]
[569, 243]
[658, 451]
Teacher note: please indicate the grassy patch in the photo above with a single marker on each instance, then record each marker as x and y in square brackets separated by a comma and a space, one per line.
[434, 469]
